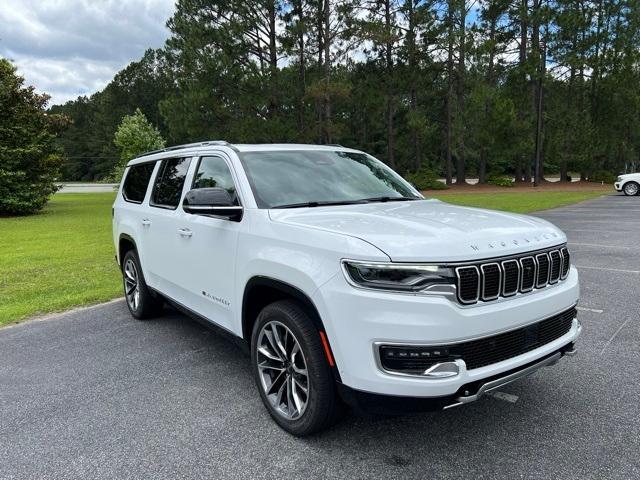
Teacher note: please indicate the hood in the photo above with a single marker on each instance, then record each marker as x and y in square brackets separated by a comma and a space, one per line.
[429, 230]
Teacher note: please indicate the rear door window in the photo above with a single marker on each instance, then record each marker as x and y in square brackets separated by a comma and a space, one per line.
[136, 182]
[169, 182]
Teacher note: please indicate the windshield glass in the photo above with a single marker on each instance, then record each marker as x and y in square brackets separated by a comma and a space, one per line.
[296, 178]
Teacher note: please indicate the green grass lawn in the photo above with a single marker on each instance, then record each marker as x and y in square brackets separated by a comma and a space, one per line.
[58, 259]
[518, 202]
[63, 257]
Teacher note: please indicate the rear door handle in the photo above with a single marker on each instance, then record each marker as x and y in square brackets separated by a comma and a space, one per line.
[185, 232]
[146, 222]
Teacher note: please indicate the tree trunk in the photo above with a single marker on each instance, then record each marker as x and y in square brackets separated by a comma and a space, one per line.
[302, 87]
[328, 136]
[522, 60]
[273, 60]
[460, 157]
[390, 93]
[413, 94]
[449, 126]
[482, 167]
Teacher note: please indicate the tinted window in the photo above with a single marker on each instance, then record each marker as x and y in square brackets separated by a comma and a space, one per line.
[214, 172]
[169, 182]
[135, 185]
[294, 177]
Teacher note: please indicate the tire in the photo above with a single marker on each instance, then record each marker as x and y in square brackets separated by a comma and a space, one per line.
[320, 407]
[630, 189]
[142, 303]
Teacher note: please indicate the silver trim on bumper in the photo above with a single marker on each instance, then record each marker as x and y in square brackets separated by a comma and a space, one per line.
[499, 382]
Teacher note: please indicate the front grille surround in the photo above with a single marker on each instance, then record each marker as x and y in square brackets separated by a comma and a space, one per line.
[514, 275]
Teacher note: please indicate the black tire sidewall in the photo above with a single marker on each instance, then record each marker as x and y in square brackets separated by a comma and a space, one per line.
[147, 305]
[322, 391]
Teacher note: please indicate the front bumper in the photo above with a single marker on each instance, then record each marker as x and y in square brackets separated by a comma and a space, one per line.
[356, 320]
[618, 186]
[395, 405]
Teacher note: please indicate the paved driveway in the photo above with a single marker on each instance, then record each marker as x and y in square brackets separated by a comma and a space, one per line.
[95, 394]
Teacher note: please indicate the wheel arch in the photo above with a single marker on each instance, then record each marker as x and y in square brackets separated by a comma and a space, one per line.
[125, 244]
[261, 291]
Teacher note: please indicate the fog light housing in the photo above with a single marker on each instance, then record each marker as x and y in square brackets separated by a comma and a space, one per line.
[412, 360]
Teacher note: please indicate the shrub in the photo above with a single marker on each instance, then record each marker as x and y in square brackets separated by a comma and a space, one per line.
[135, 136]
[500, 181]
[425, 179]
[602, 176]
[29, 159]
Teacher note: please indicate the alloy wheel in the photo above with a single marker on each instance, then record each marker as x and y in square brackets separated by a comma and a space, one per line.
[131, 284]
[283, 370]
[631, 189]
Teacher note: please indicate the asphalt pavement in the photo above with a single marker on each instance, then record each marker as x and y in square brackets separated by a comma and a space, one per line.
[96, 394]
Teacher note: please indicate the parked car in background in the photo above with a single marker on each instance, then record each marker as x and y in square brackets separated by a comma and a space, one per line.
[629, 184]
[344, 282]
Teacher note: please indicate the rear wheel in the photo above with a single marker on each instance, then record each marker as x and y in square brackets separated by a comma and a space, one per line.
[291, 371]
[141, 302]
[630, 189]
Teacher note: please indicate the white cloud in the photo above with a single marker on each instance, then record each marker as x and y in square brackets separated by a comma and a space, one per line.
[68, 48]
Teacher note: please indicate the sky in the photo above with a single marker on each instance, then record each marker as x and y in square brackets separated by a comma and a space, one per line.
[67, 48]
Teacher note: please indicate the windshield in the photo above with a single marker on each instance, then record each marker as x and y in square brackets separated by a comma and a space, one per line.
[317, 177]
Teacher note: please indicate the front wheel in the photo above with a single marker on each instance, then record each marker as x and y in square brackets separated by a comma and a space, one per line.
[141, 302]
[291, 371]
[630, 189]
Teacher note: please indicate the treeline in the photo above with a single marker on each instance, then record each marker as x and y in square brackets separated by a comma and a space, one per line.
[462, 88]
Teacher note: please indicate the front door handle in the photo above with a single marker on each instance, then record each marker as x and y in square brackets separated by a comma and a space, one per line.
[185, 232]
[146, 222]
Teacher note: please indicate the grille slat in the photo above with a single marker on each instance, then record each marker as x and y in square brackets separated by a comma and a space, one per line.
[556, 262]
[511, 270]
[468, 284]
[566, 260]
[542, 259]
[527, 274]
[492, 280]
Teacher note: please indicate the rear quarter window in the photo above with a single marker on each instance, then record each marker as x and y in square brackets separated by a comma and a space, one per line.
[136, 182]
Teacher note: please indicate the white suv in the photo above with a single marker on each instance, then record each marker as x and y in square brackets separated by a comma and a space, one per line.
[629, 184]
[344, 282]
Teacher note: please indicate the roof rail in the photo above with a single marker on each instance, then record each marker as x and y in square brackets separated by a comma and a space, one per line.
[334, 145]
[187, 145]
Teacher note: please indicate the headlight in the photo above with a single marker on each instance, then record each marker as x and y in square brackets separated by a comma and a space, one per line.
[619, 179]
[398, 277]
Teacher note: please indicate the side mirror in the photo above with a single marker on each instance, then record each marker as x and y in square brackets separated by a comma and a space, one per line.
[214, 202]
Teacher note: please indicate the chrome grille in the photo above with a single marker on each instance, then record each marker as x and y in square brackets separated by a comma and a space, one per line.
[506, 277]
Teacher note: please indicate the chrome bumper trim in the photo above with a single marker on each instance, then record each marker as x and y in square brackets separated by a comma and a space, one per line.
[499, 382]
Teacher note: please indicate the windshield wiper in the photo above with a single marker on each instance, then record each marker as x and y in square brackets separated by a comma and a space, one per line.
[389, 199]
[321, 204]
